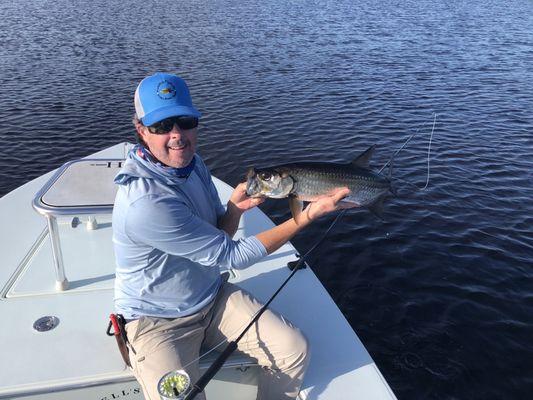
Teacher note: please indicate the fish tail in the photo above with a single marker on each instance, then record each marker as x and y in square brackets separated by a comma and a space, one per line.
[376, 208]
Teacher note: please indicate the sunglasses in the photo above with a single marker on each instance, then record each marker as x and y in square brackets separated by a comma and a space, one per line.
[166, 125]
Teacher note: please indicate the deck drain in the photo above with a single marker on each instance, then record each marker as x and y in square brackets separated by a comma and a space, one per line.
[47, 323]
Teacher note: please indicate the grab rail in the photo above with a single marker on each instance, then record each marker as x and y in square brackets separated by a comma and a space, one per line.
[79, 187]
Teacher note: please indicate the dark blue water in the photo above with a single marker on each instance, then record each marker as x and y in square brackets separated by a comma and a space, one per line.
[441, 292]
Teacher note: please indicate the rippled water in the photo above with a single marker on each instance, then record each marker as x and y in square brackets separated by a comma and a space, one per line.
[441, 293]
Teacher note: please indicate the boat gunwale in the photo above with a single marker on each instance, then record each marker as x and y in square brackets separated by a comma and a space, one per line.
[95, 381]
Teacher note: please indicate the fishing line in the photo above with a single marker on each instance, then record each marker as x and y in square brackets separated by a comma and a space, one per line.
[397, 151]
[234, 334]
[429, 149]
[405, 144]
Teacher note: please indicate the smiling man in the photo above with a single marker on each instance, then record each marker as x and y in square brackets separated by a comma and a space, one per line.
[157, 115]
[172, 234]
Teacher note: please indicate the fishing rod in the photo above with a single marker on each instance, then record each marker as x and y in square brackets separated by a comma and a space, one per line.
[202, 382]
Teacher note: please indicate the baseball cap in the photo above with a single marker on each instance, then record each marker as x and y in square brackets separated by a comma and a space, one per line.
[161, 96]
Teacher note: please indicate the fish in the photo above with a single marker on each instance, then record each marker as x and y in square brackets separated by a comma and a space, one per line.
[308, 181]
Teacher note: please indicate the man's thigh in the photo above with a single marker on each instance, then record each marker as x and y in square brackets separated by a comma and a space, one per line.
[163, 345]
[269, 340]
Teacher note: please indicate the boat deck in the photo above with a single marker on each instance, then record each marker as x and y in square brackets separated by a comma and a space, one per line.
[77, 354]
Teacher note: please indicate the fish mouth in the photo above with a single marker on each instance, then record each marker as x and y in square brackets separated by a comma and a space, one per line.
[253, 190]
[254, 187]
[251, 184]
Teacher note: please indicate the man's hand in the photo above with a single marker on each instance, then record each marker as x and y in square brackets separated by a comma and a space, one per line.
[277, 236]
[327, 204]
[240, 200]
[238, 203]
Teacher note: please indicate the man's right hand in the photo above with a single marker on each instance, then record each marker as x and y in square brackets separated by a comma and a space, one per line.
[240, 200]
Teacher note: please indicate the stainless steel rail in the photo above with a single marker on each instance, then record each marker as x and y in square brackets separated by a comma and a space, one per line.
[94, 183]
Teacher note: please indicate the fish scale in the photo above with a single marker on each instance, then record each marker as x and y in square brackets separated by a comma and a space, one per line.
[315, 180]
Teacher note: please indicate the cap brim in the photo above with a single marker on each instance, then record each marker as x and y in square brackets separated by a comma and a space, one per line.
[167, 112]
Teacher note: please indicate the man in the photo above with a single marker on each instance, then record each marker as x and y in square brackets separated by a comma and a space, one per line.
[171, 234]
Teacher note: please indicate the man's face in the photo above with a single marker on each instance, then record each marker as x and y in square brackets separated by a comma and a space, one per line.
[175, 148]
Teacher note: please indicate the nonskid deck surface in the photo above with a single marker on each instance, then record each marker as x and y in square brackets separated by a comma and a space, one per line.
[77, 353]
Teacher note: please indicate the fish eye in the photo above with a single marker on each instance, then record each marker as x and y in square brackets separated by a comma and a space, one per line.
[265, 176]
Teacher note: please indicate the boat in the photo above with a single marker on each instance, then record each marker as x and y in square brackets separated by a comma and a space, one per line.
[57, 277]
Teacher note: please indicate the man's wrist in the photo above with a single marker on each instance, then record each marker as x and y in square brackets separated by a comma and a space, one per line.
[303, 219]
[232, 209]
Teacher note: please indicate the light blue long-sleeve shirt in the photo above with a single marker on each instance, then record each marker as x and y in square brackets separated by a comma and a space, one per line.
[168, 248]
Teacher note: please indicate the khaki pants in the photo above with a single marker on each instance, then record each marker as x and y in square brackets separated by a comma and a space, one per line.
[163, 345]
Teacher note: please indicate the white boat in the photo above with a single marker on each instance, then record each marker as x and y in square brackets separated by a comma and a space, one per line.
[55, 300]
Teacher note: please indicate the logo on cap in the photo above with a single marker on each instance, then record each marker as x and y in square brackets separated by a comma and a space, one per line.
[165, 90]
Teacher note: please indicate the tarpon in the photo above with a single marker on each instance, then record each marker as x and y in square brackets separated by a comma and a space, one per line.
[308, 181]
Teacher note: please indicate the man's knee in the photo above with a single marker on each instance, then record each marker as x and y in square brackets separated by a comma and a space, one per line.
[298, 348]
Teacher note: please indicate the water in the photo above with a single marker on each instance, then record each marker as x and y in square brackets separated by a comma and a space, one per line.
[441, 293]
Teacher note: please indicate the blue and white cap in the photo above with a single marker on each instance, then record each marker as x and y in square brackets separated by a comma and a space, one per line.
[161, 96]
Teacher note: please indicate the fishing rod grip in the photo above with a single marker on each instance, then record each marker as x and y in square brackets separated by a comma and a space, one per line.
[199, 386]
